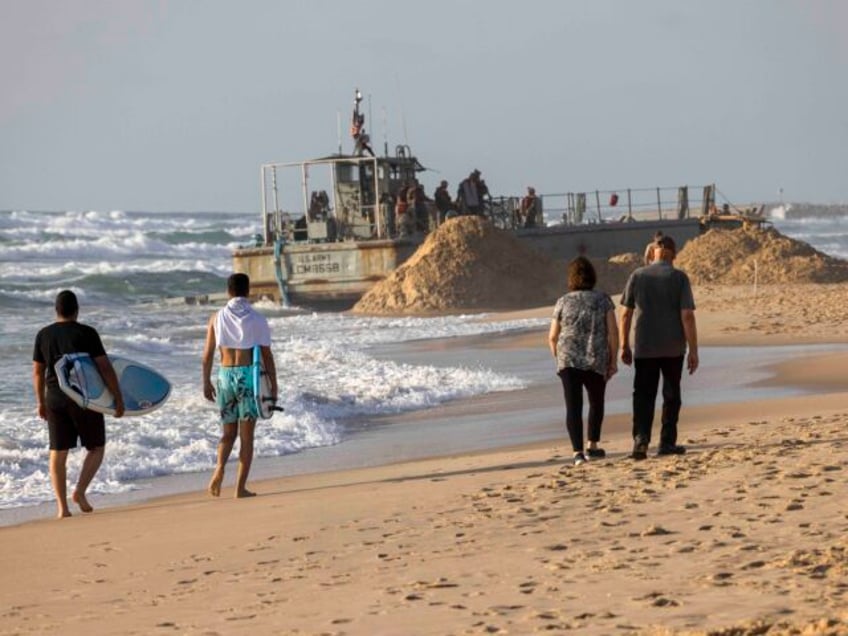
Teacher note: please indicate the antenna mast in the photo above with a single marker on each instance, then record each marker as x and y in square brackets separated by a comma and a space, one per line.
[370, 118]
[339, 129]
[385, 132]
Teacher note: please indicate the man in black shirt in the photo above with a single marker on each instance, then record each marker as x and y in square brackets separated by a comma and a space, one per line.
[67, 422]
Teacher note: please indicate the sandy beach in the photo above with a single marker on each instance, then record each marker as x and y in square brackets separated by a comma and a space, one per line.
[746, 534]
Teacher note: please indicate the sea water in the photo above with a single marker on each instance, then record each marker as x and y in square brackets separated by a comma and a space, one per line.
[130, 270]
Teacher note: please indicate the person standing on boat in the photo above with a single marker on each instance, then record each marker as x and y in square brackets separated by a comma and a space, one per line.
[357, 129]
[529, 208]
[235, 330]
[468, 194]
[403, 219]
[417, 207]
[444, 203]
[66, 421]
[584, 342]
[659, 296]
[363, 145]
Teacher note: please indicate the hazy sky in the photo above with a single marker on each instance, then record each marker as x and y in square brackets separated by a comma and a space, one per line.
[173, 105]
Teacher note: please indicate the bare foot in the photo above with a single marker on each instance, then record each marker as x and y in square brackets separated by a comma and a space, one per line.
[80, 500]
[63, 513]
[245, 493]
[215, 484]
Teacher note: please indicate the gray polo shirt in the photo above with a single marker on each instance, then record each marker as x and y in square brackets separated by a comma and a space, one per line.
[658, 293]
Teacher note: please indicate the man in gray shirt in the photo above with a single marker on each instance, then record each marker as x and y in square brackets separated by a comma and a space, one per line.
[660, 298]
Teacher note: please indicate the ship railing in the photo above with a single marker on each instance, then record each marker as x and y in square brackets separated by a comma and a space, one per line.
[565, 208]
[607, 206]
[629, 204]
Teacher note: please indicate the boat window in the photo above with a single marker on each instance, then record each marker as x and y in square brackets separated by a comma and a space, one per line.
[347, 172]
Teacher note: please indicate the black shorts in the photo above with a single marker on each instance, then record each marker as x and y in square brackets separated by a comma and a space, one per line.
[67, 422]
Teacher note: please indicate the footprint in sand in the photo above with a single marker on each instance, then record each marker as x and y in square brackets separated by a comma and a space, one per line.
[658, 599]
[527, 587]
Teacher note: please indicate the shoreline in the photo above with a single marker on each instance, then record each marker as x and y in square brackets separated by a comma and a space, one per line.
[808, 370]
[489, 422]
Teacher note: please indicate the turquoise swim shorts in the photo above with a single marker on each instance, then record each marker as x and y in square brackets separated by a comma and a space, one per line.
[235, 396]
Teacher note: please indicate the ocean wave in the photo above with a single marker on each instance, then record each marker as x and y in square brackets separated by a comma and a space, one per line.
[118, 285]
[199, 237]
[140, 286]
[143, 343]
[68, 272]
[130, 246]
[24, 298]
[366, 331]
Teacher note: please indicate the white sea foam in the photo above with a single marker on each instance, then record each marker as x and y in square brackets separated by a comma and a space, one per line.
[112, 267]
[147, 343]
[779, 211]
[827, 234]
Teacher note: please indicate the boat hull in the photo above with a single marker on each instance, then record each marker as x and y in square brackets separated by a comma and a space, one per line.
[331, 274]
[335, 275]
[603, 240]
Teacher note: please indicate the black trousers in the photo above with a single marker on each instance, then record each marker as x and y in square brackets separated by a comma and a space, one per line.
[645, 385]
[573, 382]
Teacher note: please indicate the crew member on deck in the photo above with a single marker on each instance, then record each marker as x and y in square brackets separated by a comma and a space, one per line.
[529, 208]
[357, 129]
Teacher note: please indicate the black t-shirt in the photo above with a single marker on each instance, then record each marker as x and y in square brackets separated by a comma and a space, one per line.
[55, 340]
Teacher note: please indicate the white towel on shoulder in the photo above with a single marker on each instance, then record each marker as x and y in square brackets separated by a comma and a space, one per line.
[240, 326]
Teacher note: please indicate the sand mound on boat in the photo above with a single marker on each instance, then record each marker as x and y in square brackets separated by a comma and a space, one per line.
[467, 264]
[731, 257]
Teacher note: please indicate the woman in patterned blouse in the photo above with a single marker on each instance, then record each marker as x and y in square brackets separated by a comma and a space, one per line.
[583, 339]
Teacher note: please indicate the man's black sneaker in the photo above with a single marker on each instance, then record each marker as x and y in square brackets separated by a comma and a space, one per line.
[640, 452]
[596, 453]
[579, 459]
[672, 450]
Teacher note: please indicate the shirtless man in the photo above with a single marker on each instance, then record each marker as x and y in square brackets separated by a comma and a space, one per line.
[235, 330]
[650, 248]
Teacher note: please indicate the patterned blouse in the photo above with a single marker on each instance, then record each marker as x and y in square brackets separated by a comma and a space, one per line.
[583, 343]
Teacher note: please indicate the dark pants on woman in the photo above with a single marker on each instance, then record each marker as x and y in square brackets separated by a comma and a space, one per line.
[573, 382]
[645, 385]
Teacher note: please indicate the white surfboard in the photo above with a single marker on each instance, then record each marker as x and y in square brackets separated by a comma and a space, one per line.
[265, 402]
[143, 389]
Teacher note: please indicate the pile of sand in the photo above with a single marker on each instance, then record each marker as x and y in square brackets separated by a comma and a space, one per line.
[731, 257]
[467, 264]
